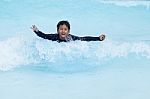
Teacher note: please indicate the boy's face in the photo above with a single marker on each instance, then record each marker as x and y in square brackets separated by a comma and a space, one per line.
[63, 31]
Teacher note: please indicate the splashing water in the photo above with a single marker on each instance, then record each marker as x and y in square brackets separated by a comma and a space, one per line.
[18, 51]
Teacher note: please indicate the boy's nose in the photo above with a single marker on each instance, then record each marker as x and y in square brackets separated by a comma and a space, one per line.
[63, 31]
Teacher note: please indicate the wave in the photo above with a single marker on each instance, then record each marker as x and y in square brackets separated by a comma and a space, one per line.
[127, 3]
[19, 52]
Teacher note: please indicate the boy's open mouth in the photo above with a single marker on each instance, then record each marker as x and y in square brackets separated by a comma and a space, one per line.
[63, 34]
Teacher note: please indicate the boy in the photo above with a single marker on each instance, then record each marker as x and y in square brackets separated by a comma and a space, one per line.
[62, 35]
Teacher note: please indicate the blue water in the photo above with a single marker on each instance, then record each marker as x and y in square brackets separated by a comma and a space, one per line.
[34, 68]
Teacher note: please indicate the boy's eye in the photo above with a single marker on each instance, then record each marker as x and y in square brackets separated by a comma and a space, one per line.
[63, 29]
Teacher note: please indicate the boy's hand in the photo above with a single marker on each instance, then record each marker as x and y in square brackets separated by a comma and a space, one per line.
[34, 28]
[102, 37]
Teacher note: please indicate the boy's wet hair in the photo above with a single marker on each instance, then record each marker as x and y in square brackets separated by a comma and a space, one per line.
[63, 23]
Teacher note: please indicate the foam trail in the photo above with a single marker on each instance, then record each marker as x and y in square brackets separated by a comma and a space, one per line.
[127, 3]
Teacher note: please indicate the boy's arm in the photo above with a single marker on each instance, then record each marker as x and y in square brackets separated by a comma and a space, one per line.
[89, 38]
[41, 34]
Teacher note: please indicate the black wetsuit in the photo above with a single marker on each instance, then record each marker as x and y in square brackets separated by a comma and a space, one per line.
[55, 37]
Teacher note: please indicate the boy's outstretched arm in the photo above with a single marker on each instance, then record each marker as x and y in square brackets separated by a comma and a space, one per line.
[41, 34]
[89, 38]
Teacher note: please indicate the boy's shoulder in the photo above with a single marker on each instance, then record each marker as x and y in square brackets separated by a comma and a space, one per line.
[74, 37]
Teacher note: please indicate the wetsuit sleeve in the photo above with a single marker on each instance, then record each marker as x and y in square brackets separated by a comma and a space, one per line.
[86, 38]
[89, 38]
[45, 36]
[75, 37]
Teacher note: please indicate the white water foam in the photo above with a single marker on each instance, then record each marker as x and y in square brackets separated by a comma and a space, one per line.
[117, 49]
[127, 3]
[20, 51]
